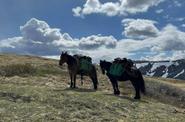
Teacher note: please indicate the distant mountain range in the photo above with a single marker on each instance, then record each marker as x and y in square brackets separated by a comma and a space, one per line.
[166, 69]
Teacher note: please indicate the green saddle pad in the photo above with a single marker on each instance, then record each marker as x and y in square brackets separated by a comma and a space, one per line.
[116, 69]
[85, 65]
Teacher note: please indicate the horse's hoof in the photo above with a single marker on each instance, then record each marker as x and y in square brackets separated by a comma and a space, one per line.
[145, 93]
[137, 98]
[95, 88]
[117, 93]
[114, 93]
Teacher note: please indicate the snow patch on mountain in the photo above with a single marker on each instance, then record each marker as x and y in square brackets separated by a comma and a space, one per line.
[165, 69]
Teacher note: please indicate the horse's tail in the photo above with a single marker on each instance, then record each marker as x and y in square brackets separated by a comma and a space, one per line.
[142, 83]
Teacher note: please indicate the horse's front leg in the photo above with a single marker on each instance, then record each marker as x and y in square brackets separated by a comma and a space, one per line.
[71, 77]
[113, 86]
[113, 81]
[81, 79]
[74, 85]
[137, 90]
[117, 88]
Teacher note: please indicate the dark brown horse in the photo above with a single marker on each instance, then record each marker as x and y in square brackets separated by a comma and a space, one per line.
[135, 77]
[73, 63]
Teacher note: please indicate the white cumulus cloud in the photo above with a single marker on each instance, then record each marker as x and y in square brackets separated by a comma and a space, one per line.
[38, 38]
[121, 7]
[139, 28]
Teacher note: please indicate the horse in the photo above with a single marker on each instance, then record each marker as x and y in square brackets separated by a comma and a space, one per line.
[74, 69]
[136, 78]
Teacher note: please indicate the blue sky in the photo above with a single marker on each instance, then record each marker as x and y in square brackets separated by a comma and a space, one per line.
[108, 26]
[57, 13]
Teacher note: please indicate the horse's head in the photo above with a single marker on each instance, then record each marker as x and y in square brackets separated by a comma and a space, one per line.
[63, 58]
[102, 66]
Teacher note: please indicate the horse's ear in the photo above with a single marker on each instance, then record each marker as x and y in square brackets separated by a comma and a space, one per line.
[65, 52]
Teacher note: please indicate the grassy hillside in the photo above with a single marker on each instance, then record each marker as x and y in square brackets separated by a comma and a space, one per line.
[36, 89]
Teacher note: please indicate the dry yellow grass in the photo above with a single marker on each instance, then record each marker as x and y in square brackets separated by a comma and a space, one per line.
[6, 59]
[45, 96]
[174, 82]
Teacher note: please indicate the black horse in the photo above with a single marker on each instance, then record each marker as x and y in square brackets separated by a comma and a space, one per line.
[73, 63]
[136, 79]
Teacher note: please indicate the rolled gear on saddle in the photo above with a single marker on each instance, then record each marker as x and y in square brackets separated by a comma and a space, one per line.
[131, 69]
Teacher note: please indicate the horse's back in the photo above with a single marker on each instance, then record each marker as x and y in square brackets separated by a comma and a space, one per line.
[84, 65]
